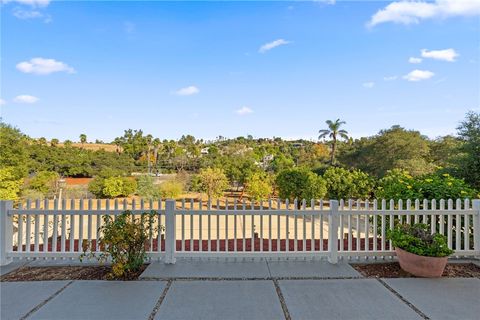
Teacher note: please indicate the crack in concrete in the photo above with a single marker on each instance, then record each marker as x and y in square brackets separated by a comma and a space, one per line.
[408, 303]
[160, 300]
[41, 304]
[286, 313]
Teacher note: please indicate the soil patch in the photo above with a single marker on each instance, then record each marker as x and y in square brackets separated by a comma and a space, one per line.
[64, 273]
[393, 270]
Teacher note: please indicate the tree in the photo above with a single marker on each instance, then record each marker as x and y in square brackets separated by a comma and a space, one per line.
[333, 132]
[347, 184]
[10, 184]
[83, 139]
[54, 142]
[213, 182]
[14, 153]
[300, 183]
[389, 149]
[259, 186]
[45, 182]
[171, 189]
[469, 163]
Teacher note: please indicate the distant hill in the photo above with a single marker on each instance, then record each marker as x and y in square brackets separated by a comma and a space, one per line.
[94, 146]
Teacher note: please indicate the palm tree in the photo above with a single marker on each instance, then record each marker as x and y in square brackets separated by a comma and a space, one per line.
[333, 132]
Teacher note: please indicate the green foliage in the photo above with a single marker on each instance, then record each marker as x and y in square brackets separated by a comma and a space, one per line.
[281, 163]
[399, 184]
[112, 187]
[10, 185]
[213, 182]
[123, 240]
[30, 194]
[300, 183]
[171, 189]
[14, 152]
[417, 239]
[347, 184]
[44, 182]
[390, 149]
[146, 188]
[469, 161]
[259, 186]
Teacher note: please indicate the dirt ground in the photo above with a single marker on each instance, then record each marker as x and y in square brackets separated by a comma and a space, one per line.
[393, 270]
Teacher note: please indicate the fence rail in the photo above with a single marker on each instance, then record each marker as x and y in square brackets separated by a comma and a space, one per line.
[270, 229]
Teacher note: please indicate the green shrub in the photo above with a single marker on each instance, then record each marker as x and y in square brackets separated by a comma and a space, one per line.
[348, 184]
[45, 182]
[30, 194]
[417, 239]
[259, 186]
[171, 189]
[10, 185]
[123, 240]
[213, 182]
[397, 184]
[112, 187]
[300, 183]
[147, 189]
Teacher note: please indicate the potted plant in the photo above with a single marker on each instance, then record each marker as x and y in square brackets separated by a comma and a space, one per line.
[419, 252]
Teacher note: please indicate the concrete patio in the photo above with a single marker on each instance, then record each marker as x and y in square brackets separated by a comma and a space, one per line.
[244, 290]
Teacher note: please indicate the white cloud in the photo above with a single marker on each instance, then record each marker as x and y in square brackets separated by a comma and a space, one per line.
[25, 98]
[446, 55]
[187, 91]
[390, 78]
[33, 3]
[2, 102]
[410, 12]
[44, 66]
[331, 2]
[418, 75]
[269, 46]
[243, 111]
[414, 60]
[368, 85]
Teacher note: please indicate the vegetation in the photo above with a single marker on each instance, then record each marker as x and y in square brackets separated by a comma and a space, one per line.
[417, 239]
[395, 163]
[123, 240]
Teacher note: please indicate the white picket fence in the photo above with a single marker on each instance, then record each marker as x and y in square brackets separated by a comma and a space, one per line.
[270, 229]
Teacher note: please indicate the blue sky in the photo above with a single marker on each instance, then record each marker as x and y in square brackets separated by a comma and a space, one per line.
[237, 68]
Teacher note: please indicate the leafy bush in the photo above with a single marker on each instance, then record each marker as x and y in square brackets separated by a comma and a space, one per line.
[171, 189]
[417, 239]
[259, 186]
[45, 182]
[10, 185]
[213, 182]
[112, 187]
[30, 194]
[399, 184]
[146, 188]
[347, 184]
[123, 240]
[300, 183]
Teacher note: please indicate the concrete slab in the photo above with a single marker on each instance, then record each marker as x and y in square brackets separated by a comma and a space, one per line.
[441, 298]
[320, 269]
[343, 299]
[18, 298]
[207, 269]
[103, 300]
[230, 299]
[12, 266]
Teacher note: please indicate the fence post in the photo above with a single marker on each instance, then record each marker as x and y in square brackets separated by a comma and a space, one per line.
[6, 232]
[170, 241]
[333, 232]
[476, 227]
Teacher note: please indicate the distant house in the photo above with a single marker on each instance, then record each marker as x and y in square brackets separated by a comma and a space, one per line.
[297, 144]
[204, 150]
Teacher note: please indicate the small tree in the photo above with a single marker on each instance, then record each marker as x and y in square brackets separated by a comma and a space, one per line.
[83, 139]
[45, 182]
[347, 184]
[300, 183]
[9, 185]
[171, 189]
[213, 182]
[259, 186]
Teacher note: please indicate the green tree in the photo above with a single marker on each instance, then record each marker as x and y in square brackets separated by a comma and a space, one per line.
[14, 151]
[333, 132]
[469, 163]
[83, 139]
[146, 187]
[54, 142]
[10, 184]
[300, 183]
[171, 189]
[45, 182]
[213, 182]
[347, 184]
[259, 186]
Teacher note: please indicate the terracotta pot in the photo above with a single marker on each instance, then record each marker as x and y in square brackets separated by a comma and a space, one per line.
[421, 266]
